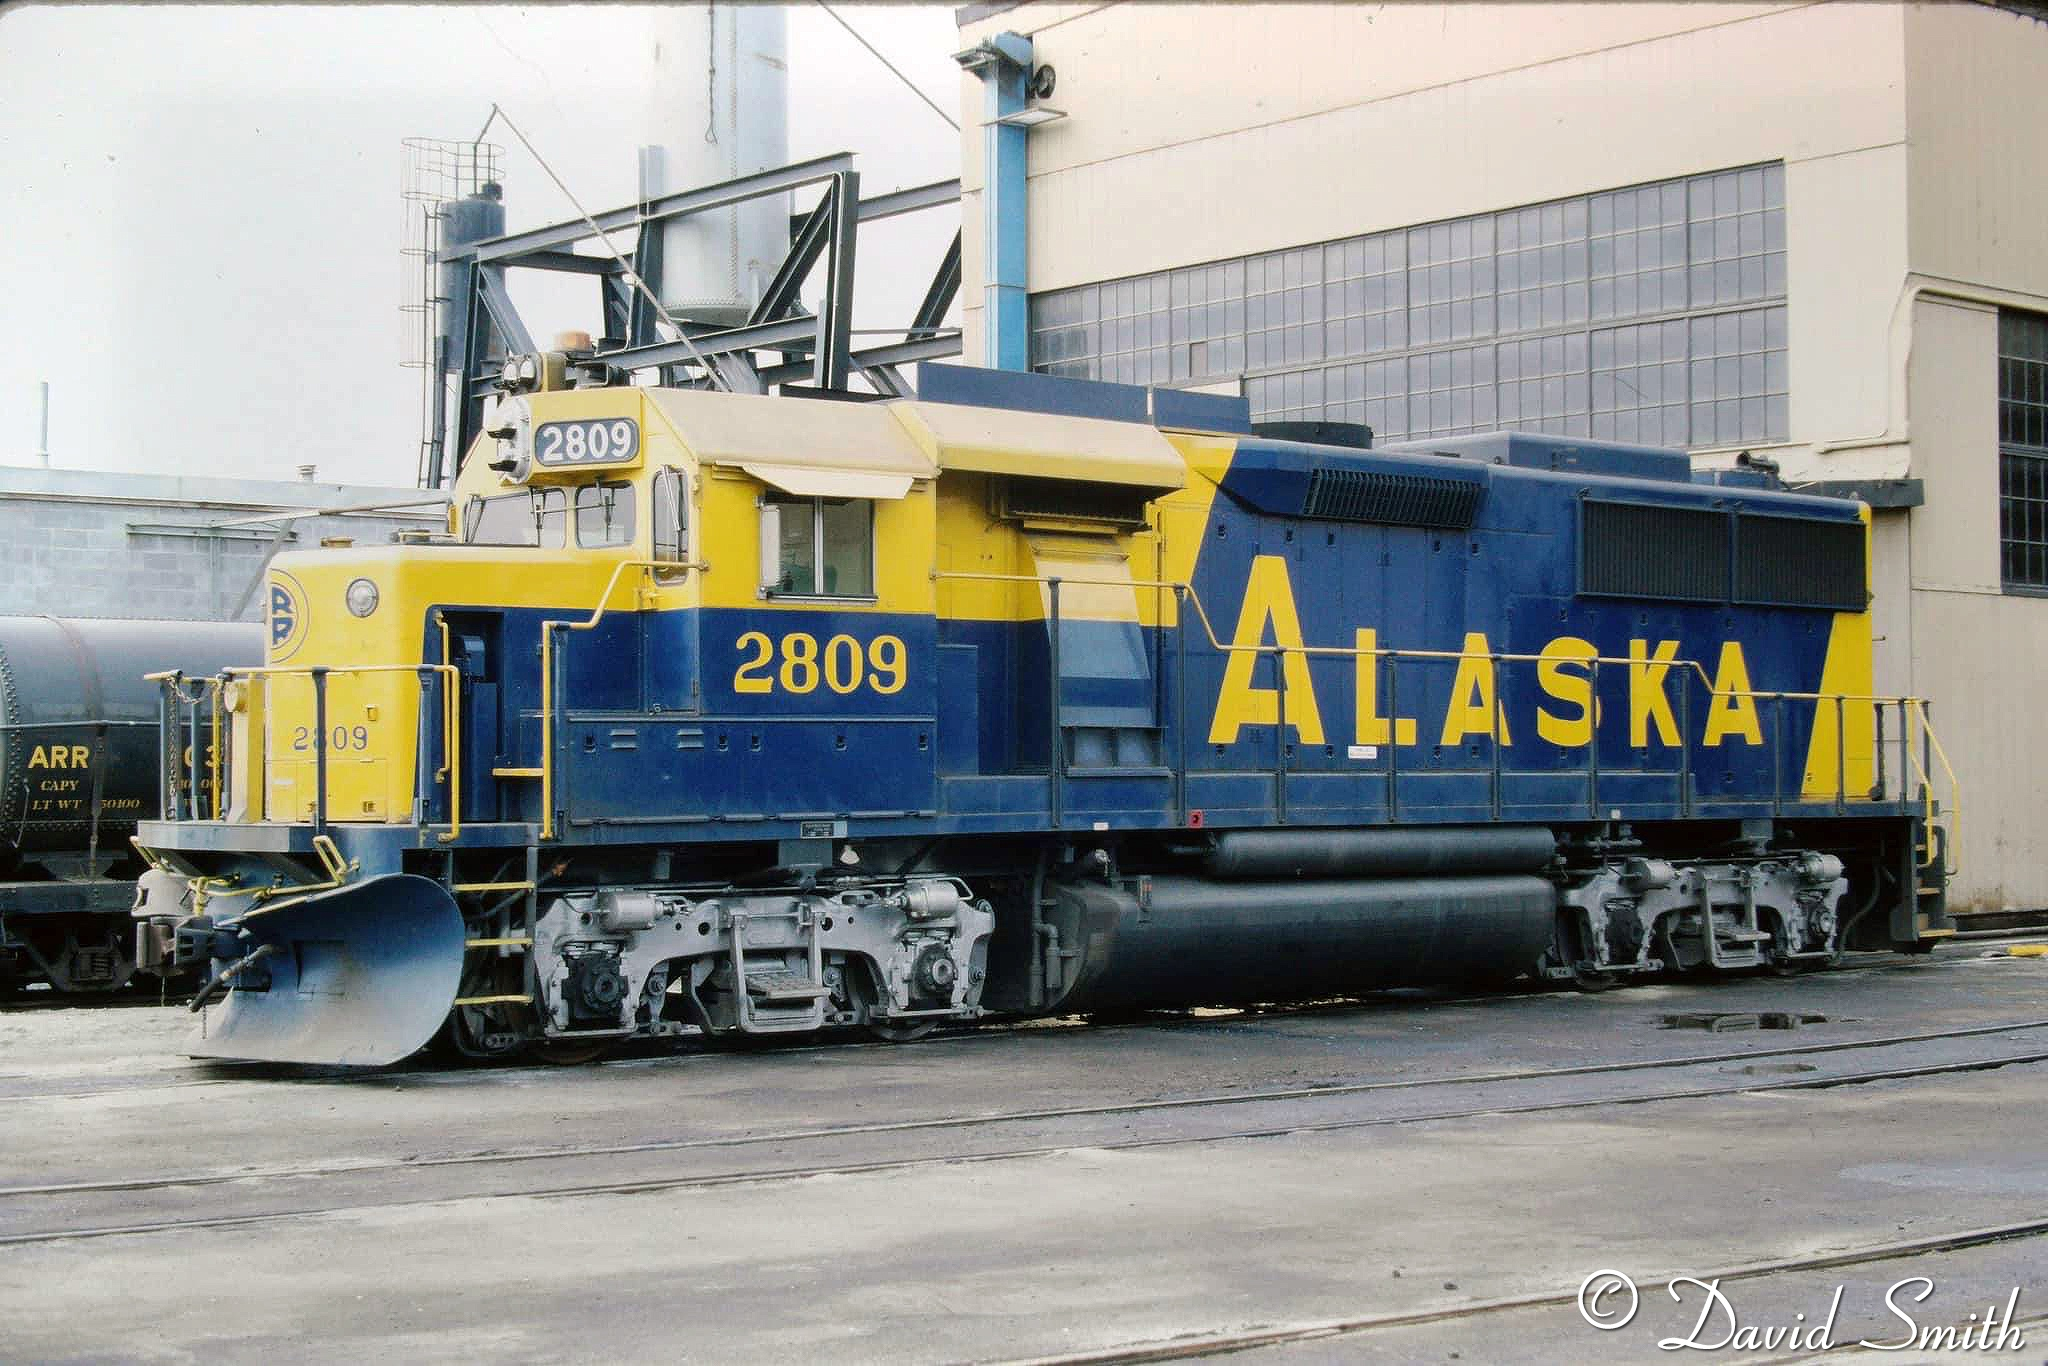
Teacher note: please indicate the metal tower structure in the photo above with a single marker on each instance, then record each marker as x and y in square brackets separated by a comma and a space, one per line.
[780, 347]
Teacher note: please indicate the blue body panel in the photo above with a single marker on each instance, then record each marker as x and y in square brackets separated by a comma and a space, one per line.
[682, 726]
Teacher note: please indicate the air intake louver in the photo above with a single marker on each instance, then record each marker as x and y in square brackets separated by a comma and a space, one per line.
[1073, 500]
[1799, 562]
[1391, 499]
[1639, 550]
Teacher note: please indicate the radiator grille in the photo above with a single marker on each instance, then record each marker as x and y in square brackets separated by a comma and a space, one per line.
[1636, 550]
[1390, 499]
[1799, 562]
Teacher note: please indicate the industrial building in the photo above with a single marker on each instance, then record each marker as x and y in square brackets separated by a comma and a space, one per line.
[94, 543]
[1815, 233]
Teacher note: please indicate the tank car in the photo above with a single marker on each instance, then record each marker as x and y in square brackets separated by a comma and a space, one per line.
[719, 714]
[79, 759]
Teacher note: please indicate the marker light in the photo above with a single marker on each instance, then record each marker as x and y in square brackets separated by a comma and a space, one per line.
[361, 597]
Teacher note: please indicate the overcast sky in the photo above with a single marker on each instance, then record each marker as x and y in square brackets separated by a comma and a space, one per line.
[202, 222]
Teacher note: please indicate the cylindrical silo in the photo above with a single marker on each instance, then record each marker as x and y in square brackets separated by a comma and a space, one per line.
[717, 92]
[468, 219]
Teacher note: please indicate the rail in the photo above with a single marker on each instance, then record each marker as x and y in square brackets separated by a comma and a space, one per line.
[1917, 762]
[177, 695]
[1911, 712]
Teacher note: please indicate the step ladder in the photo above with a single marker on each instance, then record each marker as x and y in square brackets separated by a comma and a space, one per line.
[773, 999]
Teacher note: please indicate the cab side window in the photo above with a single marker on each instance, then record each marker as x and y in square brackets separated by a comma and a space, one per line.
[604, 515]
[671, 521]
[819, 547]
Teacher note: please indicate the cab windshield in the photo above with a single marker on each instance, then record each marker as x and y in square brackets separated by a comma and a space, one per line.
[530, 517]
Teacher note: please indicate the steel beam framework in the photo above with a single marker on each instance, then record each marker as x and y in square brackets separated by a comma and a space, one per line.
[780, 345]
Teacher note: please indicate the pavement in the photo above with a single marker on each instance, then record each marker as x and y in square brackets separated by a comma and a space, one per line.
[1428, 1178]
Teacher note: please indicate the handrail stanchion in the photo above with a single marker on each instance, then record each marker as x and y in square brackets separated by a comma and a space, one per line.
[1056, 747]
[166, 763]
[422, 759]
[1841, 757]
[1393, 737]
[1905, 757]
[1280, 737]
[193, 758]
[1877, 786]
[1778, 754]
[1927, 754]
[319, 675]
[1180, 683]
[1685, 741]
[1593, 746]
[558, 706]
[1493, 664]
[214, 748]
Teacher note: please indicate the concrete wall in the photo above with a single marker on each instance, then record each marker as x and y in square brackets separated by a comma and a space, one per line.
[1977, 212]
[90, 544]
[1978, 653]
[1977, 108]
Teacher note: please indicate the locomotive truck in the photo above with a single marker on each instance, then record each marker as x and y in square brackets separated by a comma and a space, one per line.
[730, 714]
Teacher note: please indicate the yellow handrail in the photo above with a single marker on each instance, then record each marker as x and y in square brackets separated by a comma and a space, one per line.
[451, 730]
[1917, 705]
[547, 676]
[1354, 652]
[1953, 861]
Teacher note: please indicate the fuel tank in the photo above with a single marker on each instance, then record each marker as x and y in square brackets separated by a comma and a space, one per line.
[78, 725]
[1178, 940]
[1422, 850]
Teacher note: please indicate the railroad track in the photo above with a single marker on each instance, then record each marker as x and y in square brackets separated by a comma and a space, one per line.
[1222, 1344]
[643, 1054]
[58, 1212]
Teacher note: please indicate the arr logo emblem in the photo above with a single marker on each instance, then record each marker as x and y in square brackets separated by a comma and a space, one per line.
[287, 616]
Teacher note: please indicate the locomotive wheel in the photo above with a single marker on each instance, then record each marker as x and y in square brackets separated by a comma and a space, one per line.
[1592, 981]
[901, 1033]
[568, 1052]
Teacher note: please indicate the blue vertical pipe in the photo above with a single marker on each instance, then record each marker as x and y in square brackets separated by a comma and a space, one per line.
[1006, 324]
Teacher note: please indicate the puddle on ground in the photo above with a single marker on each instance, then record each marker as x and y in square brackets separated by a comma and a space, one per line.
[1727, 1022]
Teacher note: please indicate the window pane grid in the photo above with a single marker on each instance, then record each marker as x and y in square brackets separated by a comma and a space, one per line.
[1388, 328]
[2023, 449]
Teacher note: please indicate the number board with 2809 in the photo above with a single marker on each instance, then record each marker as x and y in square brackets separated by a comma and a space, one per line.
[588, 441]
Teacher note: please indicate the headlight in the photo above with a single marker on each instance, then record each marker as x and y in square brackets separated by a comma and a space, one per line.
[361, 597]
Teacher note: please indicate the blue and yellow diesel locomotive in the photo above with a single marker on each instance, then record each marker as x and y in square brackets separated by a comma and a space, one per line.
[733, 714]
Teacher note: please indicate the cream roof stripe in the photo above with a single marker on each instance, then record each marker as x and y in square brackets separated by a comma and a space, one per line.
[1042, 445]
[775, 439]
[788, 434]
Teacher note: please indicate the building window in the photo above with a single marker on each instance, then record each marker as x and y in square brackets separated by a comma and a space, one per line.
[1653, 313]
[2023, 450]
[824, 547]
